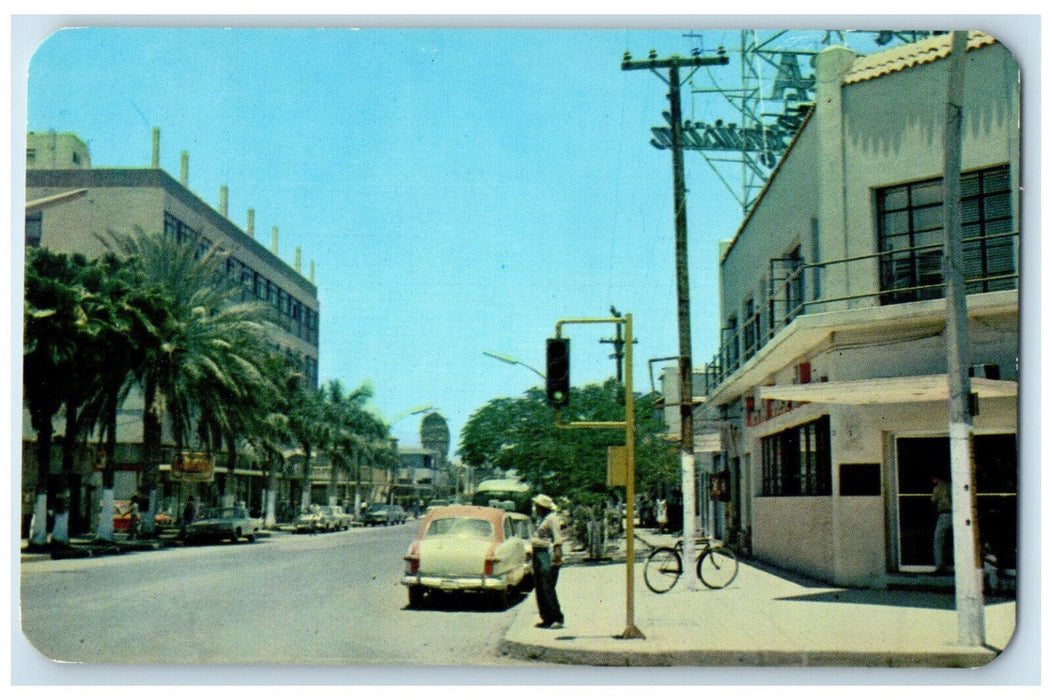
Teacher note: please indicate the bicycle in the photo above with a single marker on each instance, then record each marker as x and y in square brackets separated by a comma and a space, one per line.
[717, 566]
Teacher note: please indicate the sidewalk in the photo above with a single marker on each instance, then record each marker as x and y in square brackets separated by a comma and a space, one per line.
[764, 618]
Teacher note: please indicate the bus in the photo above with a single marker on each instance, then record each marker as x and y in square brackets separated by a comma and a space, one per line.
[509, 494]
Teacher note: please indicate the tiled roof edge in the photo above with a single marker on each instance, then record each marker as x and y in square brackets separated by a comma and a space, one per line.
[909, 56]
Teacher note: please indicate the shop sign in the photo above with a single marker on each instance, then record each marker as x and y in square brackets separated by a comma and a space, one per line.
[193, 466]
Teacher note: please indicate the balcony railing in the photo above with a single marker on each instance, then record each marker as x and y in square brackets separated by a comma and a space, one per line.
[902, 275]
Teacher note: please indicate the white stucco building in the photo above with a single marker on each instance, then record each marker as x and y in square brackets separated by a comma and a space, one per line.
[826, 407]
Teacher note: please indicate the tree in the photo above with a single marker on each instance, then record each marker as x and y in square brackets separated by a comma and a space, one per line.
[520, 434]
[308, 425]
[53, 318]
[352, 430]
[111, 355]
[205, 351]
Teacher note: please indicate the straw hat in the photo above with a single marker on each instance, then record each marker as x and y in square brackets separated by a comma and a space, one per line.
[545, 502]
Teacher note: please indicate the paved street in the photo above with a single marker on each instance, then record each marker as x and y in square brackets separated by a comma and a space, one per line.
[327, 599]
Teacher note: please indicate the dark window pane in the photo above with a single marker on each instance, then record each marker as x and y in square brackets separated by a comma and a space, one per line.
[926, 193]
[896, 198]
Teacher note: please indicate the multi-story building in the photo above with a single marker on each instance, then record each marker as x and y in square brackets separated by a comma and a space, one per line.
[825, 413]
[127, 199]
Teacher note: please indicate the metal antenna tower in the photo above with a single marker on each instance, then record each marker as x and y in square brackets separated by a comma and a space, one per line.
[775, 91]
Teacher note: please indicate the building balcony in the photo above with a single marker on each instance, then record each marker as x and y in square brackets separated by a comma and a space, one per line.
[900, 296]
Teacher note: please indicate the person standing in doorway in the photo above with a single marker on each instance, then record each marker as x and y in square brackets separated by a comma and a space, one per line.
[547, 558]
[942, 499]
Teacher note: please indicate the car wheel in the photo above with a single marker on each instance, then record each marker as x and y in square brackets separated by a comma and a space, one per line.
[237, 536]
[501, 599]
[251, 538]
[416, 596]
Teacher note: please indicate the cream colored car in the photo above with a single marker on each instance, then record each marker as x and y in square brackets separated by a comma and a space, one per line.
[467, 549]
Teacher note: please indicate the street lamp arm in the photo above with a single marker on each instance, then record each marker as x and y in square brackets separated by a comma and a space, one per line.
[513, 361]
[412, 412]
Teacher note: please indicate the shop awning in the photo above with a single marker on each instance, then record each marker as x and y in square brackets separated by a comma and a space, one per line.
[927, 387]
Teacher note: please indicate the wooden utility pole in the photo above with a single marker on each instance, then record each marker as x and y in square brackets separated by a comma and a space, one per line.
[968, 571]
[619, 346]
[679, 194]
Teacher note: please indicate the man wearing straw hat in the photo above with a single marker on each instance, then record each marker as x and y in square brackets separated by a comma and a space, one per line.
[547, 558]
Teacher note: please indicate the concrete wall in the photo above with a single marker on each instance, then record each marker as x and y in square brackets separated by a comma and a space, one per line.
[773, 230]
[849, 540]
[795, 532]
[49, 149]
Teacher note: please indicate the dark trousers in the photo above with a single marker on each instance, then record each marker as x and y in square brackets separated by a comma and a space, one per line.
[545, 576]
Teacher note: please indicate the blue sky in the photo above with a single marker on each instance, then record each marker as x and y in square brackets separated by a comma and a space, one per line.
[459, 190]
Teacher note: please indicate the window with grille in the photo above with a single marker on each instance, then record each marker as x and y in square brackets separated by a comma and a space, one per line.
[911, 236]
[796, 462]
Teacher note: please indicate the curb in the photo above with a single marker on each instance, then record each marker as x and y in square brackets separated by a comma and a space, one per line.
[756, 658]
[83, 548]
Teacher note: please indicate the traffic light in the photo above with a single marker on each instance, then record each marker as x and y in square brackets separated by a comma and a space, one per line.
[558, 377]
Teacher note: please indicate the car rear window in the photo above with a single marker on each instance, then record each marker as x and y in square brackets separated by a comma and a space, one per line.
[462, 527]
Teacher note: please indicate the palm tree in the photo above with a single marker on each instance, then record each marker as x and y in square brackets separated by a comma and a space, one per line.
[53, 318]
[110, 355]
[353, 430]
[269, 433]
[308, 425]
[206, 351]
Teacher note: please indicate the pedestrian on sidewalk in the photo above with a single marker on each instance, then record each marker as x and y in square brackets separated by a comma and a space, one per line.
[547, 544]
[942, 499]
[135, 520]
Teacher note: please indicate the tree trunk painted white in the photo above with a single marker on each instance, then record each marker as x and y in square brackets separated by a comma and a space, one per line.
[60, 530]
[104, 530]
[148, 523]
[38, 524]
[271, 519]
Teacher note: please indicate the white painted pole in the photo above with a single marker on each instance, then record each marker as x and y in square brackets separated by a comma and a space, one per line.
[968, 571]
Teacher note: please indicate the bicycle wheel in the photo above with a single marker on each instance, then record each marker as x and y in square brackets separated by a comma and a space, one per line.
[717, 567]
[662, 570]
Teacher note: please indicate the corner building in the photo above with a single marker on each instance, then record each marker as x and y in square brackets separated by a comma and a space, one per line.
[825, 411]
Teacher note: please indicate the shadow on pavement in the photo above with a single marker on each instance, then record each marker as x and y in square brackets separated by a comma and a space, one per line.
[466, 602]
[930, 601]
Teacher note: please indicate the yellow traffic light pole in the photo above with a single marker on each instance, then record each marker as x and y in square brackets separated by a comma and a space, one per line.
[629, 425]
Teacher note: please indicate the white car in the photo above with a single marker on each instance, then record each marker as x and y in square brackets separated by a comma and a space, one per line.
[466, 549]
[337, 518]
[224, 523]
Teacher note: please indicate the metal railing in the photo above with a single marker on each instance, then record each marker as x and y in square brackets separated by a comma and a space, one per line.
[786, 296]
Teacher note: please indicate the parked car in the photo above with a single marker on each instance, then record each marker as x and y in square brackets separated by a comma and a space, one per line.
[523, 528]
[310, 519]
[336, 517]
[383, 514]
[228, 522]
[122, 517]
[466, 549]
